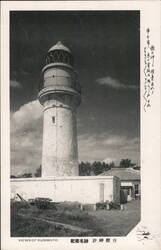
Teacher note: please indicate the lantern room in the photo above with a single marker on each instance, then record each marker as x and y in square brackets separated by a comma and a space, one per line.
[59, 54]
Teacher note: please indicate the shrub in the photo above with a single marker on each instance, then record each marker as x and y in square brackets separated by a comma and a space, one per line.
[31, 201]
[115, 205]
[42, 203]
[102, 205]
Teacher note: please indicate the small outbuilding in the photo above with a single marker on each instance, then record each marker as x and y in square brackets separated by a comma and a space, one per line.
[129, 179]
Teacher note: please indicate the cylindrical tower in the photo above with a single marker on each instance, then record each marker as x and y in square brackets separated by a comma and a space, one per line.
[60, 95]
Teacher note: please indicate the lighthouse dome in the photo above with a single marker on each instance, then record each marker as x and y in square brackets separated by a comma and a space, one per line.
[59, 46]
[59, 54]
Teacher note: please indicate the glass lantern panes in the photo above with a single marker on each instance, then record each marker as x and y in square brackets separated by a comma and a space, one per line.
[59, 56]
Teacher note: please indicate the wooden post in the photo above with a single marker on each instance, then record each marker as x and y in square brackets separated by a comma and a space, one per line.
[81, 207]
[94, 207]
[107, 206]
[121, 207]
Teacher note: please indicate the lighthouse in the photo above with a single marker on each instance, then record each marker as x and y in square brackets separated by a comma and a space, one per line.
[60, 95]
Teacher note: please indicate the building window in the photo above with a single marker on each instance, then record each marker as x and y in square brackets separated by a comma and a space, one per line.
[136, 189]
[53, 119]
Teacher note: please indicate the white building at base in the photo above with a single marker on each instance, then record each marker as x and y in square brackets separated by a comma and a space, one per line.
[129, 181]
[83, 189]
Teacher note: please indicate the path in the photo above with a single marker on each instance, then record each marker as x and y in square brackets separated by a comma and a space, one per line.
[67, 226]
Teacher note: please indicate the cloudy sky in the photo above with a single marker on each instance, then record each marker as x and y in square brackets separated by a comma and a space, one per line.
[105, 46]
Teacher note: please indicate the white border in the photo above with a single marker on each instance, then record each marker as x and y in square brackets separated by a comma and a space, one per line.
[150, 127]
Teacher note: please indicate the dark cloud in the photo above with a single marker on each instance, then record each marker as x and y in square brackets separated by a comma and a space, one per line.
[105, 46]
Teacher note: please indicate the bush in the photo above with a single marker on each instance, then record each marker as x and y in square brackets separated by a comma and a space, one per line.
[115, 205]
[42, 203]
[102, 205]
[31, 201]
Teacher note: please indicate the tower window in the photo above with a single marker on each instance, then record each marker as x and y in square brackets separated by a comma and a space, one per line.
[53, 119]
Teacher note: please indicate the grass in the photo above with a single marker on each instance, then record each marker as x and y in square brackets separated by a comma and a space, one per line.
[24, 227]
[101, 222]
[117, 222]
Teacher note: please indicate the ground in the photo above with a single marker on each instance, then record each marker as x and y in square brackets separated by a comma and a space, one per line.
[117, 222]
[69, 220]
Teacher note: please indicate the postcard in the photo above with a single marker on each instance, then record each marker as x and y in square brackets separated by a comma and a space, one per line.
[81, 125]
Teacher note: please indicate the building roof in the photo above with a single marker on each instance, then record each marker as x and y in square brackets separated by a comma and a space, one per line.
[59, 46]
[123, 173]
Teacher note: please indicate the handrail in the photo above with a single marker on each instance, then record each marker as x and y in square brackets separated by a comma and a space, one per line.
[75, 86]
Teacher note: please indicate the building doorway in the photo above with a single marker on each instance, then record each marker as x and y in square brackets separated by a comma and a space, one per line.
[128, 192]
[102, 188]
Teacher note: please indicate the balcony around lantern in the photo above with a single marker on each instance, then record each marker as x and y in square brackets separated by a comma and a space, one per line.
[60, 82]
[48, 86]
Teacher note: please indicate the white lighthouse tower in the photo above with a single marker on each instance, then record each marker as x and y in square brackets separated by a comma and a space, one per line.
[60, 95]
